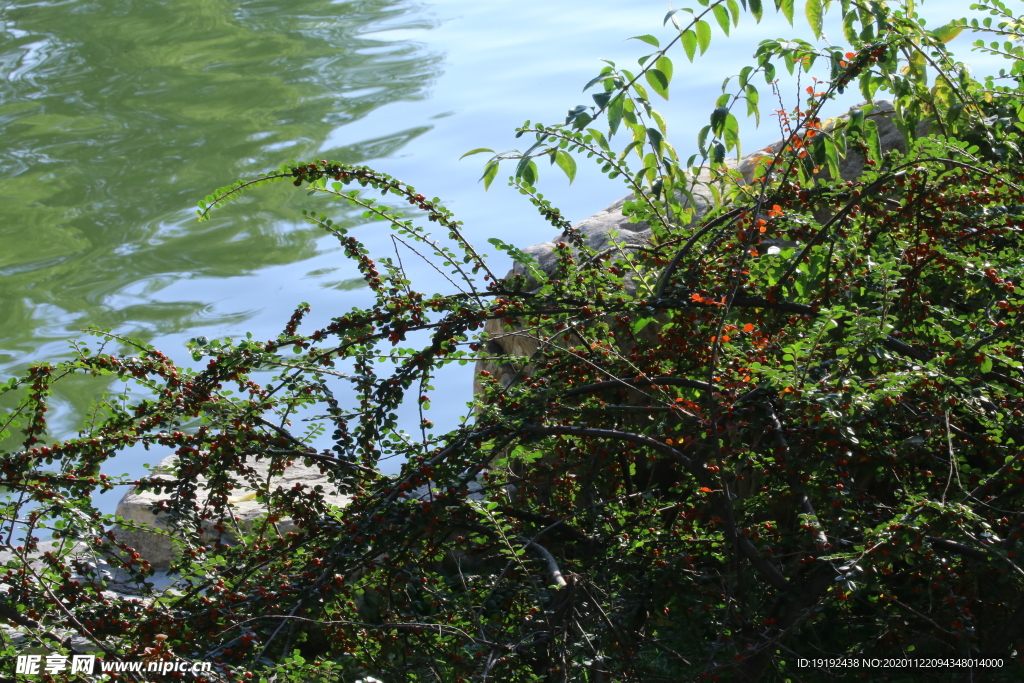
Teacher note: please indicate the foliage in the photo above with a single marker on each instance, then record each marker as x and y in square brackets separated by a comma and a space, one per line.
[717, 457]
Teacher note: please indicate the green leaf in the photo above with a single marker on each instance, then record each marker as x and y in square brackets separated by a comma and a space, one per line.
[603, 76]
[732, 132]
[849, 30]
[641, 324]
[599, 138]
[919, 67]
[567, 163]
[664, 65]
[986, 365]
[615, 108]
[734, 9]
[756, 9]
[660, 121]
[745, 75]
[868, 85]
[718, 153]
[658, 81]
[879, 11]
[489, 171]
[654, 135]
[702, 138]
[832, 157]
[529, 173]
[752, 101]
[582, 121]
[769, 72]
[948, 32]
[650, 167]
[641, 91]
[871, 137]
[787, 9]
[478, 150]
[602, 99]
[818, 151]
[704, 35]
[630, 147]
[718, 117]
[689, 40]
[722, 15]
[856, 124]
[647, 38]
[813, 12]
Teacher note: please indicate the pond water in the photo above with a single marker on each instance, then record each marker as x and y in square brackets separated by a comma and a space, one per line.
[117, 116]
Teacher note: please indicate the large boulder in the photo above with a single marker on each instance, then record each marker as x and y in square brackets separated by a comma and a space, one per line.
[155, 545]
[599, 229]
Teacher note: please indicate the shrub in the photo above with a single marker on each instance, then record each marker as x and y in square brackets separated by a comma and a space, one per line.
[716, 460]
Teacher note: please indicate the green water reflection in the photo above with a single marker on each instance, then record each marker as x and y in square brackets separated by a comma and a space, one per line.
[116, 116]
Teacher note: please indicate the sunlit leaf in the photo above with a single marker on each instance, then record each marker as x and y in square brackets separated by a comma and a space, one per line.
[755, 9]
[849, 30]
[658, 81]
[689, 41]
[615, 108]
[732, 132]
[734, 9]
[650, 167]
[918, 67]
[752, 101]
[703, 35]
[490, 171]
[641, 324]
[702, 138]
[478, 150]
[664, 65]
[530, 174]
[832, 156]
[603, 76]
[722, 16]
[599, 138]
[647, 38]
[567, 163]
[660, 120]
[948, 32]
[787, 9]
[871, 137]
[813, 12]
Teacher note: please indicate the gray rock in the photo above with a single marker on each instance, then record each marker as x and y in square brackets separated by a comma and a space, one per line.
[155, 545]
[598, 230]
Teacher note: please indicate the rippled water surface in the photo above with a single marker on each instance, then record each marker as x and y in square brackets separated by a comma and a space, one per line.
[116, 116]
